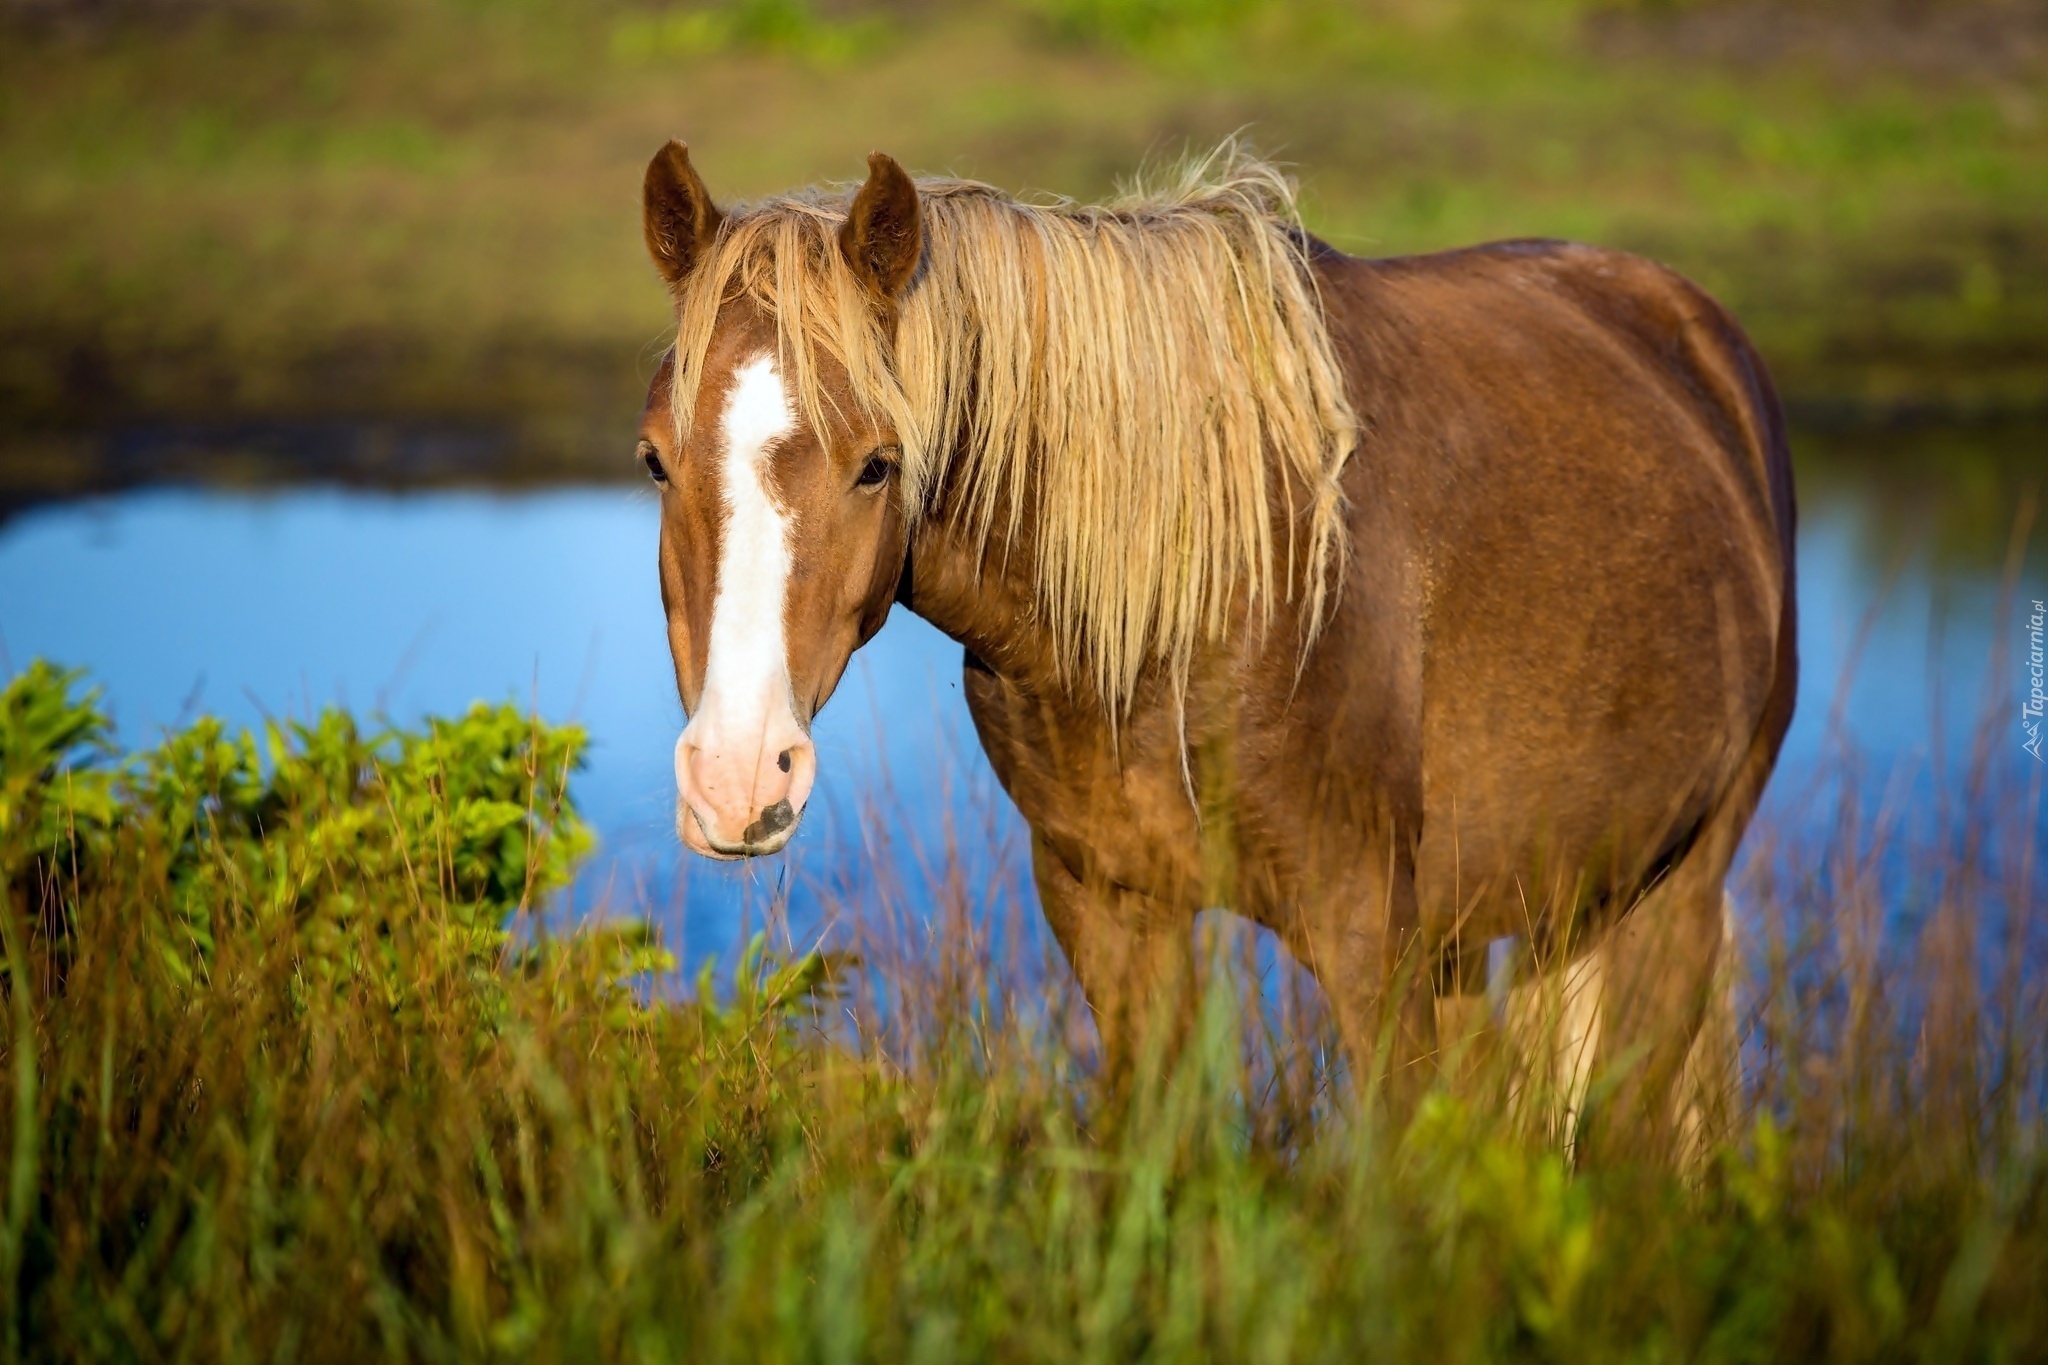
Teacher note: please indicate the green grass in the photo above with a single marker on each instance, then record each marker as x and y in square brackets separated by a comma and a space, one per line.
[430, 207]
[293, 1077]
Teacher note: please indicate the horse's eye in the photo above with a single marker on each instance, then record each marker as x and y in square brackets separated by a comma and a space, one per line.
[876, 471]
[651, 457]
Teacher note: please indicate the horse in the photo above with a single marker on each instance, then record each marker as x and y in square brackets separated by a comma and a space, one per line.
[1398, 605]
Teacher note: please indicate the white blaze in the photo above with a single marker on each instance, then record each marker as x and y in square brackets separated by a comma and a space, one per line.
[746, 678]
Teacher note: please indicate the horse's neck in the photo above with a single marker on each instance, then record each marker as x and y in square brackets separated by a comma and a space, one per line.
[980, 595]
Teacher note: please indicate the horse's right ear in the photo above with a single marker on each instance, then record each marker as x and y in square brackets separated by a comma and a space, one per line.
[676, 214]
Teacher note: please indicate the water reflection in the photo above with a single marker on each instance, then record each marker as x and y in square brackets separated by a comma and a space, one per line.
[248, 604]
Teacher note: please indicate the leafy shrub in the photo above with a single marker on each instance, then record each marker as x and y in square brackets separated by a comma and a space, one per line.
[449, 831]
[53, 793]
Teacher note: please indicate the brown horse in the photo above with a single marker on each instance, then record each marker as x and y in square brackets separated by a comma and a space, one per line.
[1398, 605]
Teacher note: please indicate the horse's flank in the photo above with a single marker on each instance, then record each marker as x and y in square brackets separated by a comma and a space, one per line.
[1156, 372]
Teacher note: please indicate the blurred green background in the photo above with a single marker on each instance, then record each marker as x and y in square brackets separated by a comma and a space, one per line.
[281, 209]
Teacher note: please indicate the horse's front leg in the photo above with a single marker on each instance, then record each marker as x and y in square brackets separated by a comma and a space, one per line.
[1362, 940]
[1133, 956]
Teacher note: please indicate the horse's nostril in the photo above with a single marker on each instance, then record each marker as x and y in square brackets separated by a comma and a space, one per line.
[773, 821]
[777, 818]
[782, 761]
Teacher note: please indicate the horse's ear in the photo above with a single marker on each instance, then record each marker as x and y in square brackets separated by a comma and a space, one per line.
[676, 214]
[883, 238]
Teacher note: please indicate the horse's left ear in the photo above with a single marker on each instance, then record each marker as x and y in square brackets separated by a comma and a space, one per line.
[883, 236]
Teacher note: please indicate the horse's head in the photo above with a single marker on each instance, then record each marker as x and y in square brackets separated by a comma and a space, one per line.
[783, 523]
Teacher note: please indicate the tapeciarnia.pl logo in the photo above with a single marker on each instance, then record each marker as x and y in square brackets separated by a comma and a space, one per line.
[2037, 695]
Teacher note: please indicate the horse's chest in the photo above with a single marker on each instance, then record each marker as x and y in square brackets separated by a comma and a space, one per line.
[1115, 809]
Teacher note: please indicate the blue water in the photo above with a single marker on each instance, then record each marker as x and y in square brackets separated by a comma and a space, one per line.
[247, 606]
[253, 604]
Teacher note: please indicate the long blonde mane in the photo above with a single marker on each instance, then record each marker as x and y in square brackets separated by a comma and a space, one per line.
[1152, 378]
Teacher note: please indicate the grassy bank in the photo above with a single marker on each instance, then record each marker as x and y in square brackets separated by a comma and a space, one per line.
[292, 1077]
[310, 207]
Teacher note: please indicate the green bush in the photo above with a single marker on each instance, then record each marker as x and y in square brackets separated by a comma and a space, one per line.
[311, 825]
[53, 793]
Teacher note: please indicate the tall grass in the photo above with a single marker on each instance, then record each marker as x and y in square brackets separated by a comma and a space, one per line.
[349, 1124]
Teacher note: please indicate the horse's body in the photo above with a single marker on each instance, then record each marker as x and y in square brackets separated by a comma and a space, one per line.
[1541, 697]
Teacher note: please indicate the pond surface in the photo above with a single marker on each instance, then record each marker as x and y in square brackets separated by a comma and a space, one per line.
[247, 604]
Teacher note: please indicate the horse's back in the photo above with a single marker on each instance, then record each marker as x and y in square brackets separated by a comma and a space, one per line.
[1575, 467]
